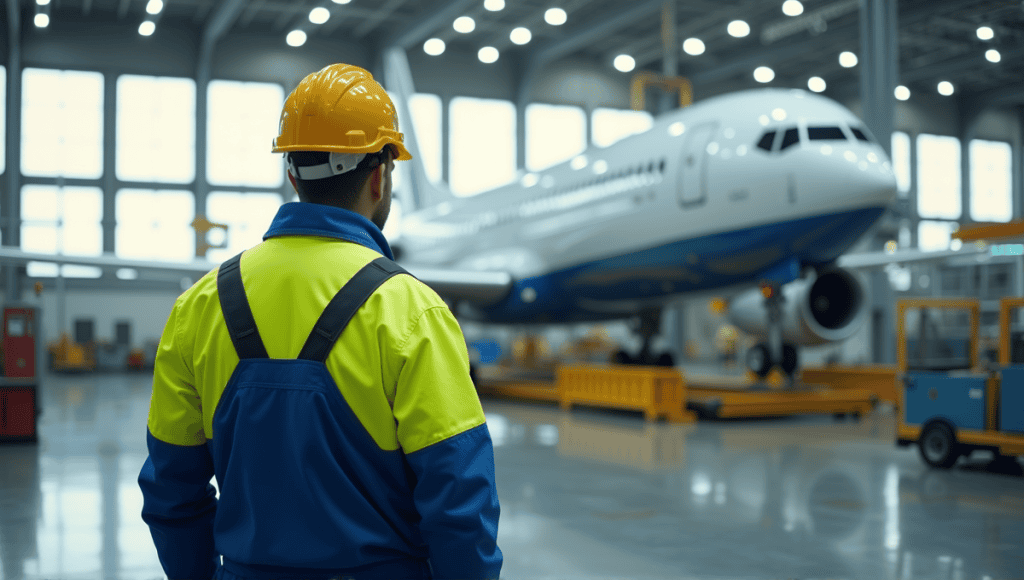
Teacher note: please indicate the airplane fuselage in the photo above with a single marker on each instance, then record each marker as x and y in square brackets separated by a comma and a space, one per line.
[707, 198]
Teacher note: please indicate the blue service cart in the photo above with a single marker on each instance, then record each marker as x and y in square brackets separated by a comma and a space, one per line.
[950, 412]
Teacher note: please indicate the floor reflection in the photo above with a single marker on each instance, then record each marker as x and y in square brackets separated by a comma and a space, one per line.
[584, 494]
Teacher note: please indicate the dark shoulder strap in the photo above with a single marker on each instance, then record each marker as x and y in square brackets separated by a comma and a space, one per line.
[344, 305]
[237, 313]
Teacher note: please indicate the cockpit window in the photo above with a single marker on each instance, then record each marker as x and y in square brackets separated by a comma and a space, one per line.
[859, 134]
[792, 137]
[825, 134]
[766, 141]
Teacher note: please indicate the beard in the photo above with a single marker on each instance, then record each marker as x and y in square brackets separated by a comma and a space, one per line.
[380, 216]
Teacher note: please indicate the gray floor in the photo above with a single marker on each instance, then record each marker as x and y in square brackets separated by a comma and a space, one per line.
[586, 494]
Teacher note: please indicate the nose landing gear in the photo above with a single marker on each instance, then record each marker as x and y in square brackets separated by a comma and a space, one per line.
[773, 353]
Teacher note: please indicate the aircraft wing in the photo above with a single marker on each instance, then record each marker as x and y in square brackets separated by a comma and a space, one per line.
[10, 255]
[483, 288]
[868, 260]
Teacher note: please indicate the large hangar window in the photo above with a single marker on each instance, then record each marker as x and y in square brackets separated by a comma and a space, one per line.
[991, 181]
[934, 235]
[482, 144]
[426, 118]
[62, 220]
[241, 124]
[62, 123]
[554, 134]
[247, 215]
[155, 225]
[938, 177]
[612, 125]
[156, 136]
[901, 162]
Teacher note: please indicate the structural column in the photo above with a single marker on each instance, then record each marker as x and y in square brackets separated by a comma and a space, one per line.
[109, 221]
[879, 72]
[12, 189]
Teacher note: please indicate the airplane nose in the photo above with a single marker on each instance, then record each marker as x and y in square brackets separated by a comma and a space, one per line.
[870, 172]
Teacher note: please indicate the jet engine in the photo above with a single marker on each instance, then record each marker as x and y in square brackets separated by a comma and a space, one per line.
[819, 309]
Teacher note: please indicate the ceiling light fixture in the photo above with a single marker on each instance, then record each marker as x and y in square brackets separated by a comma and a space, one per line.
[902, 93]
[154, 6]
[434, 47]
[986, 33]
[147, 28]
[738, 28]
[946, 88]
[520, 35]
[296, 38]
[42, 2]
[693, 46]
[847, 59]
[792, 8]
[488, 55]
[341, 1]
[816, 84]
[624, 63]
[555, 16]
[763, 74]
[464, 24]
[993, 55]
[319, 15]
[494, 5]
[41, 20]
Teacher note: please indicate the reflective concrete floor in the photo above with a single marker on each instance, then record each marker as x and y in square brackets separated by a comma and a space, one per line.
[587, 494]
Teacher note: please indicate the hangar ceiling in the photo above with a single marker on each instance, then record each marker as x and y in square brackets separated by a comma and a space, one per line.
[938, 39]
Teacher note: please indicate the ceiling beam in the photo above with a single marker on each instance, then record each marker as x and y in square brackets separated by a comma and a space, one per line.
[122, 9]
[250, 12]
[427, 26]
[382, 14]
[86, 7]
[950, 67]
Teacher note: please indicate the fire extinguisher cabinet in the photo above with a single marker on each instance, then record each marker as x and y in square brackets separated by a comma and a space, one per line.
[18, 386]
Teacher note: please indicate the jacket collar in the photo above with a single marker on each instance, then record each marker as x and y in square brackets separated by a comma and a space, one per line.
[311, 219]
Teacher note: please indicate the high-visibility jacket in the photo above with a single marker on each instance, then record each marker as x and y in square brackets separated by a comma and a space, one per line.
[375, 462]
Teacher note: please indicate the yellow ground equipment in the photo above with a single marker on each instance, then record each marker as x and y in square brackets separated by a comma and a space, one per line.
[951, 410]
[68, 356]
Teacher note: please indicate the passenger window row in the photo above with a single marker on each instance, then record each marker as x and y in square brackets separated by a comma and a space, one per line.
[791, 136]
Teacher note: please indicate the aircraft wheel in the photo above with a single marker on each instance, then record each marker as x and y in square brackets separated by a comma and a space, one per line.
[938, 446]
[666, 360]
[789, 359]
[622, 358]
[759, 361]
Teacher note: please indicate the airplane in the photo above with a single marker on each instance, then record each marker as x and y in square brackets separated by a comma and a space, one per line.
[755, 195]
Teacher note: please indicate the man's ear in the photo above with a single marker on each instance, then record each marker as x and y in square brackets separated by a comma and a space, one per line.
[291, 178]
[377, 181]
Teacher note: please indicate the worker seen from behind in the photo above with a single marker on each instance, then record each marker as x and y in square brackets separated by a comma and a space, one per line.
[326, 389]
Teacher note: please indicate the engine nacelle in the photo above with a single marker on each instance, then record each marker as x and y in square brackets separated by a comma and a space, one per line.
[819, 309]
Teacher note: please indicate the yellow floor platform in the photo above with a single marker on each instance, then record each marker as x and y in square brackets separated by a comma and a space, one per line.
[721, 397]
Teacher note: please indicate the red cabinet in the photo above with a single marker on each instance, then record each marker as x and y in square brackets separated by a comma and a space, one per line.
[17, 413]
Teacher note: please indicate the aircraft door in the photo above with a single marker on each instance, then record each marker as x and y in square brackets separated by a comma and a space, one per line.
[693, 174]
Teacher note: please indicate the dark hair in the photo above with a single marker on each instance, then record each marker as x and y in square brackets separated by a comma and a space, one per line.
[341, 190]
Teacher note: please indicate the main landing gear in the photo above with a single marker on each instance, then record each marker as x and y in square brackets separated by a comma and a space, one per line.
[765, 355]
[647, 325]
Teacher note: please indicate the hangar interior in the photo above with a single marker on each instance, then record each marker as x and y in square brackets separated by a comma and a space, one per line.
[133, 126]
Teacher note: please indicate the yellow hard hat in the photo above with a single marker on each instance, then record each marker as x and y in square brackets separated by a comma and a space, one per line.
[339, 109]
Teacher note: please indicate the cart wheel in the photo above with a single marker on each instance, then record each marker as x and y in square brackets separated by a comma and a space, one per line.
[938, 446]
[622, 358]
[666, 360]
[759, 360]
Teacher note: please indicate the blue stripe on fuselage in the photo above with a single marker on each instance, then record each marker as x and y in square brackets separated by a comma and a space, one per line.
[695, 264]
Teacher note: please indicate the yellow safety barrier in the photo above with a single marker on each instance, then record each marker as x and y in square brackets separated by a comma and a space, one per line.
[880, 380]
[657, 391]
